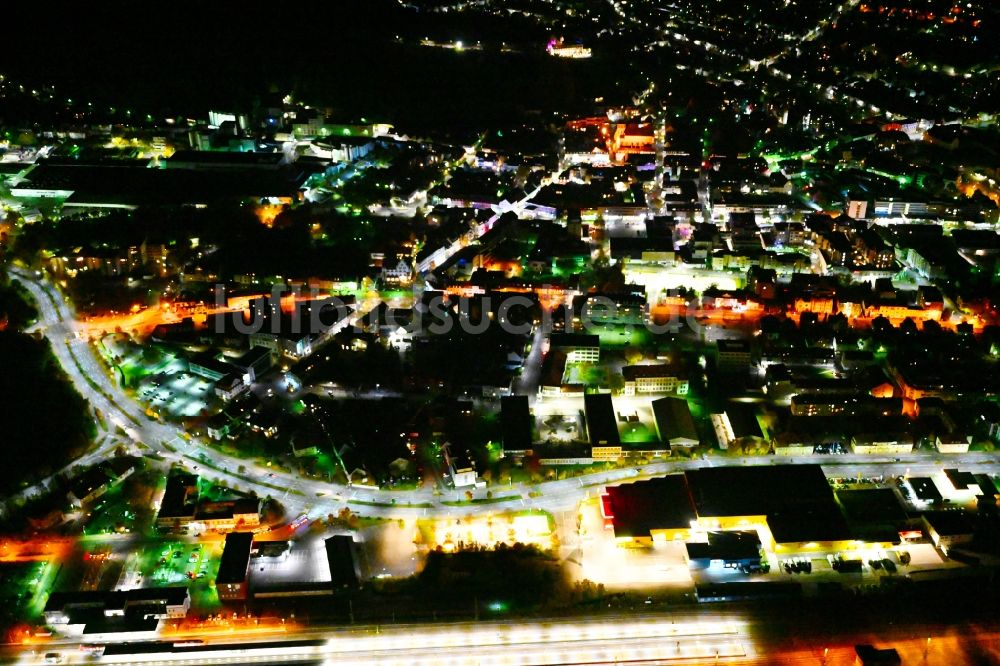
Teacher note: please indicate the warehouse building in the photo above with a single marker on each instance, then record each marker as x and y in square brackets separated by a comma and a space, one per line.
[791, 507]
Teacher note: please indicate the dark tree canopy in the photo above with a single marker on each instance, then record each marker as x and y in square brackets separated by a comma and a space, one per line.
[46, 422]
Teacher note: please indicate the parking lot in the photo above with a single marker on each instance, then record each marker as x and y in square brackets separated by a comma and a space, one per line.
[173, 563]
[180, 395]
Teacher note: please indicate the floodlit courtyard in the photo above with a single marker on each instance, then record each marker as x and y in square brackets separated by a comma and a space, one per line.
[558, 428]
[535, 528]
[636, 422]
[604, 561]
[304, 561]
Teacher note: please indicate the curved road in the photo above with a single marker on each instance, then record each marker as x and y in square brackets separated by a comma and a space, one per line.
[320, 498]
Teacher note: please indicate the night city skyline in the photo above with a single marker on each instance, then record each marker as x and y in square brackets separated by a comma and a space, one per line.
[500, 332]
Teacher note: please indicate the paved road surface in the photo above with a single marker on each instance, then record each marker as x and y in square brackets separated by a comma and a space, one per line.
[319, 498]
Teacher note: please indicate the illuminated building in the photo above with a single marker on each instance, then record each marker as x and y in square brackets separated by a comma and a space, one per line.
[892, 208]
[870, 250]
[461, 468]
[653, 379]
[316, 127]
[650, 251]
[341, 148]
[792, 503]
[952, 442]
[924, 490]
[805, 404]
[285, 343]
[733, 356]
[793, 445]
[762, 282]
[578, 347]
[562, 50]
[228, 515]
[217, 426]
[598, 141]
[611, 309]
[791, 507]
[857, 209]
[881, 443]
[729, 301]
[401, 274]
[182, 507]
[631, 139]
[218, 118]
[552, 371]
[228, 381]
[131, 611]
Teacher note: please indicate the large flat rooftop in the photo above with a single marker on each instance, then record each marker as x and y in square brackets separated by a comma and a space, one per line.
[657, 504]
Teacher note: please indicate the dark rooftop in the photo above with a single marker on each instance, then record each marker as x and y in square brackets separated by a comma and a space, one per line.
[733, 346]
[634, 372]
[960, 480]
[924, 489]
[757, 490]
[574, 340]
[139, 185]
[227, 508]
[795, 499]
[657, 504]
[602, 428]
[115, 600]
[89, 481]
[949, 523]
[251, 357]
[674, 420]
[515, 422]
[743, 419]
[871, 656]
[820, 521]
[235, 558]
[871, 505]
[188, 158]
[180, 497]
[342, 558]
